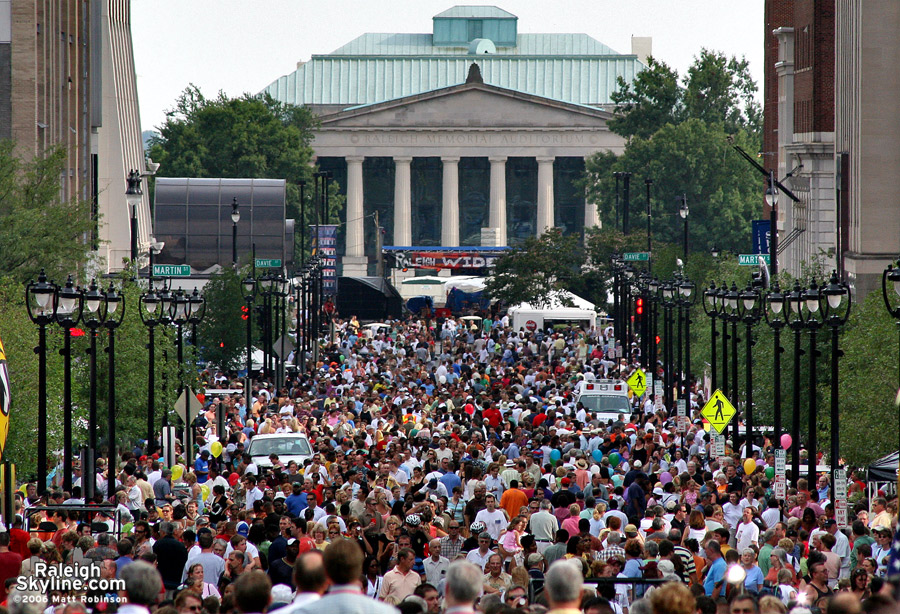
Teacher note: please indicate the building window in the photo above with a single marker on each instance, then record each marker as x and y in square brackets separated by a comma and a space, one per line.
[476, 27]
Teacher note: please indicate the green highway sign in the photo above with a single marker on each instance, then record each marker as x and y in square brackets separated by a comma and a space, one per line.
[752, 259]
[171, 270]
[636, 256]
[268, 263]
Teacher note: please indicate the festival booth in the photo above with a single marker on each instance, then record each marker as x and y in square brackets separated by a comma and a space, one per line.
[369, 298]
[882, 473]
[579, 312]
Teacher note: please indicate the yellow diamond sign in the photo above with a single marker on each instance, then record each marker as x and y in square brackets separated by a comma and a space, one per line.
[638, 382]
[719, 411]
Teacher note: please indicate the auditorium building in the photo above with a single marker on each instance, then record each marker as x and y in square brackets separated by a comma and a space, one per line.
[472, 135]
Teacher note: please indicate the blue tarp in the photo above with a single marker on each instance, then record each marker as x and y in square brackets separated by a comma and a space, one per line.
[417, 303]
[459, 301]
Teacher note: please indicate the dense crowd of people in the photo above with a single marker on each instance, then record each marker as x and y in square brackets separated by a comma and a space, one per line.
[446, 465]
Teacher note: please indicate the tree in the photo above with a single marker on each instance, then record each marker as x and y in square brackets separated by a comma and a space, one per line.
[651, 101]
[223, 330]
[250, 136]
[37, 228]
[721, 90]
[539, 272]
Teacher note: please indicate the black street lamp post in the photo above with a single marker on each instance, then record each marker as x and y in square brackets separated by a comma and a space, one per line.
[649, 182]
[195, 316]
[795, 321]
[249, 285]
[688, 296]
[40, 301]
[629, 330]
[68, 314]
[774, 314]
[683, 211]
[150, 317]
[721, 312]
[812, 321]
[95, 316]
[133, 197]
[115, 312]
[667, 293]
[166, 303]
[618, 176]
[710, 308]
[653, 293]
[749, 310]
[892, 274]
[235, 218]
[835, 307]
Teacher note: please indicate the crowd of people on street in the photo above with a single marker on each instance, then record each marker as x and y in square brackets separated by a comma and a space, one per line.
[446, 466]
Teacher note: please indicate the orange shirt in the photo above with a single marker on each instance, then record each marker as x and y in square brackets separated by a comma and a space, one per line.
[512, 501]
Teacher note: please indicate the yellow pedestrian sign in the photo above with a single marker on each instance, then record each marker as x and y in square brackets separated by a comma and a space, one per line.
[638, 382]
[719, 411]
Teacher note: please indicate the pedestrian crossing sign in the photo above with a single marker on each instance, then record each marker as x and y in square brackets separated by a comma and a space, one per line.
[638, 382]
[719, 411]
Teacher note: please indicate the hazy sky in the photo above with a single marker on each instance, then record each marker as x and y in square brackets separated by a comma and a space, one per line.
[242, 46]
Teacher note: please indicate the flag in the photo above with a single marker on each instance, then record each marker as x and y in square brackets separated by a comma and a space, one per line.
[4, 399]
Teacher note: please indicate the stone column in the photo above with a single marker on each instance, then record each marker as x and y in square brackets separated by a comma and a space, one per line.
[591, 217]
[450, 211]
[545, 214]
[402, 202]
[498, 197]
[355, 261]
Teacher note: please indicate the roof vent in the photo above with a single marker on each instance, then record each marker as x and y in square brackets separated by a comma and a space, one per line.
[474, 74]
[481, 46]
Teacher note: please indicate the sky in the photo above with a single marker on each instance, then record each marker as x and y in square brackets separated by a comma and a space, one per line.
[239, 46]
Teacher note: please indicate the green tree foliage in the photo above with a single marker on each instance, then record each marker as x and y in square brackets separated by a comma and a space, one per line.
[680, 136]
[245, 137]
[539, 272]
[223, 332]
[37, 228]
[650, 102]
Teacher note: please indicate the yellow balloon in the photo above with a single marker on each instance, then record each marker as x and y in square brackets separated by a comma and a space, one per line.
[216, 448]
[204, 490]
[749, 466]
[23, 489]
[177, 472]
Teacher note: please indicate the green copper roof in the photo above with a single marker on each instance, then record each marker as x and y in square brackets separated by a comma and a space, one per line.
[475, 12]
[377, 67]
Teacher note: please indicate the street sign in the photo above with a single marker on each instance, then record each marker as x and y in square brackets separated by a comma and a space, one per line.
[840, 497]
[718, 446]
[681, 419]
[171, 270]
[657, 395]
[187, 406]
[636, 256]
[638, 382]
[719, 411]
[268, 263]
[780, 474]
[752, 259]
[285, 345]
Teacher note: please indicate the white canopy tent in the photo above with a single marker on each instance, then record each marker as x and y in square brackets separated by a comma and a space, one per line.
[531, 317]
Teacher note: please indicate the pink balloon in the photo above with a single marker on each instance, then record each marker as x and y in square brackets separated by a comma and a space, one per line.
[786, 441]
[665, 478]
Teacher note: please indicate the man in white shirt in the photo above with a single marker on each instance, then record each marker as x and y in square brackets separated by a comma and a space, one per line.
[253, 492]
[494, 519]
[435, 565]
[733, 511]
[747, 534]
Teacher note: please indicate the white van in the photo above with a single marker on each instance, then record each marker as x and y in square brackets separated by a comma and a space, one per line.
[604, 399]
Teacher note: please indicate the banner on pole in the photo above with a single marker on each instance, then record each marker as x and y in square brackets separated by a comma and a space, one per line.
[325, 246]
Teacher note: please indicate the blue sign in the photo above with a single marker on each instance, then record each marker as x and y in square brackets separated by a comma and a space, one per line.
[761, 230]
[325, 246]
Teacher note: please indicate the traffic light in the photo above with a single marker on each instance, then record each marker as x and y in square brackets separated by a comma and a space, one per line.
[639, 307]
[245, 313]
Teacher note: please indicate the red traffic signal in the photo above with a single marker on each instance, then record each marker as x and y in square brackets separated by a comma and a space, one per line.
[639, 306]
[245, 313]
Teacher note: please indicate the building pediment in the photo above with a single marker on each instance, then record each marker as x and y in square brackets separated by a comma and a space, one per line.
[470, 106]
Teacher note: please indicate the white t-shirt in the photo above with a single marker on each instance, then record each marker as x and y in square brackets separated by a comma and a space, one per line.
[747, 534]
[495, 522]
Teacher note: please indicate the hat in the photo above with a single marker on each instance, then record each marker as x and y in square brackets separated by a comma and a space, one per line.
[830, 522]
[243, 529]
[566, 481]
[581, 463]
[433, 483]
[534, 558]
[665, 566]
[510, 463]
[291, 541]
[279, 495]
[413, 520]
[476, 527]
[419, 566]
[630, 528]
[878, 529]
[671, 505]
[637, 464]
[658, 491]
